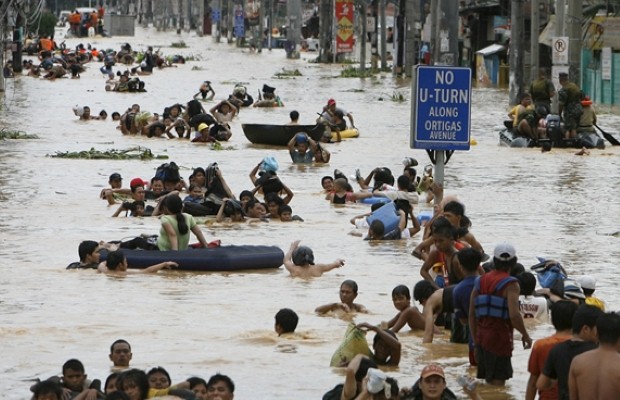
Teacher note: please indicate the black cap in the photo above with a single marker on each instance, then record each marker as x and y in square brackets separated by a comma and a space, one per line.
[116, 176]
[563, 75]
[268, 89]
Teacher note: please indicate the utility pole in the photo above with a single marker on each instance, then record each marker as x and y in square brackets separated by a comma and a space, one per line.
[559, 31]
[534, 51]
[18, 40]
[364, 37]
[573, 28]
[383, 33]
[400, 38]
[326, 22]
[446, 45]
[293, 32]
[516, 51]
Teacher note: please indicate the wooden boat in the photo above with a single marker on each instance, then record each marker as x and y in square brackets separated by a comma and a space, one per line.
[223, 258]
[279, 135]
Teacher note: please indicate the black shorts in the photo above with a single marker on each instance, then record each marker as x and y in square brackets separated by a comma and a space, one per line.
[493, 367]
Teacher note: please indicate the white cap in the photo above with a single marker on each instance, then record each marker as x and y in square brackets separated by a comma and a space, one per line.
[587, 282]
[504, 252]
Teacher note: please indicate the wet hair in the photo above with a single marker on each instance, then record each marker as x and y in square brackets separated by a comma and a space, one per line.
[458, 208]
[401, 290]
[136, 376]
[294, 115]
[155, 179]
[246, 193]
[377, 228]
[117, 395]
[222, 378]
[608, 328]
[403, 182]
[323, 179]
[562, 314]
[114, 259]
[586, 315]
[250, 204]
[116, 114]
[469, 259]
[441, 226]
[110, 377]
[74, 365]
[87, 247]
[102, 113]
[47, 387]
[383, 176]
[423, 290]
[303, 255]
[525, 95]
[377, 337]
[272, 197]
[161, 370]
[118, 341]
[527, 282]
[284, 208]
[287, 319]
[350, 283]
[195, 381]
[339, 114]
[376, 206]
[174, 205]
[192, 186]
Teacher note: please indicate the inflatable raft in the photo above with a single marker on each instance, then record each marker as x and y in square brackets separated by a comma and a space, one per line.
[223, 258]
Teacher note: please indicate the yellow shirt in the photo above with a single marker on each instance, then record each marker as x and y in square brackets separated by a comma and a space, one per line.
[596, 302]
[518, 110]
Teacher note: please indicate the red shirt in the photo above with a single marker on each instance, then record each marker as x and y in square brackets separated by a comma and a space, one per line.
[538, 356]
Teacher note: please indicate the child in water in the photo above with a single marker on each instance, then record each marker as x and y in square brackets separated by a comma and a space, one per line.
[299, 261]
[407, 314]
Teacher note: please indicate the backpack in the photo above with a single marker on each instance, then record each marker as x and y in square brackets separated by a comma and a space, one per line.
[168, 172]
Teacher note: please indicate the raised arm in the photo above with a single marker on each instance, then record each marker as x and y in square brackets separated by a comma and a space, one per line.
[254, 171]
[225, 185]
[349, 390]
[220, 213]
[288, 257]
[428, 264]
[289, 193]
[390, 341]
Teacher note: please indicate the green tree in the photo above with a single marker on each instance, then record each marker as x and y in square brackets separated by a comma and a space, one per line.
[44, 26]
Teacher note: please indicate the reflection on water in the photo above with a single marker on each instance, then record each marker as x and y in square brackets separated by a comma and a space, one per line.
[553, 205]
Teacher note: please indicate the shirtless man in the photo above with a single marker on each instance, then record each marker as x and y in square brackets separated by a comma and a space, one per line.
[299, 261]
[595, 375]
[348, 293]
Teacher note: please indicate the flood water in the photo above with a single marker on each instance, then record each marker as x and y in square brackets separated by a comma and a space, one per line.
[557, 205]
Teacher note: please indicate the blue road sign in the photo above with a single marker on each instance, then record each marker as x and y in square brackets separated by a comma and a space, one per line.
[216, 15]
[440, 118]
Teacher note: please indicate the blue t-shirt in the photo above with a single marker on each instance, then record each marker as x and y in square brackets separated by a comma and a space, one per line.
[302, 158]
[461, 296]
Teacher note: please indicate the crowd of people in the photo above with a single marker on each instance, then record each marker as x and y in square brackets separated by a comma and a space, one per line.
[479, 298]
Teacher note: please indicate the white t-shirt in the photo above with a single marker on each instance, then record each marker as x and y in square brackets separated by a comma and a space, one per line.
[533, 307]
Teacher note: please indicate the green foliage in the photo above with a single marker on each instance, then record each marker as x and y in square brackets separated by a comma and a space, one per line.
[398, 97]
[287, 73]
[178, 45]
[217, 146]
[46, 23]
[352, 72]
[7, 134]
[134, 153]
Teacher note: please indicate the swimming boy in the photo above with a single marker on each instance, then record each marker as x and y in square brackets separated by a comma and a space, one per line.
[116, 264]
[407, 314]
[286, 321]
[299, 261]
[348, 293]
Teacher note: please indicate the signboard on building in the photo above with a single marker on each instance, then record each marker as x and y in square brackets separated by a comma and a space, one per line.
[441, 114]
[559, 48]
[344, 25]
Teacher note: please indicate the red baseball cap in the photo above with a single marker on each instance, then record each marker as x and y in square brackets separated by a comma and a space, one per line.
[432, 369]
[135, 182]
[331, 102]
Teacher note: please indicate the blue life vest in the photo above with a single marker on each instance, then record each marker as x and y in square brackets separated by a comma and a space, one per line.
[490, 305]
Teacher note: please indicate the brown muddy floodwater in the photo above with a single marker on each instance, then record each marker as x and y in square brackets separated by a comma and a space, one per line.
[557, 205]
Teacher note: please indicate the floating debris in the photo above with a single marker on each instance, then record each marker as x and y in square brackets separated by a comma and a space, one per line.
[7, 134]
[134, 153]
